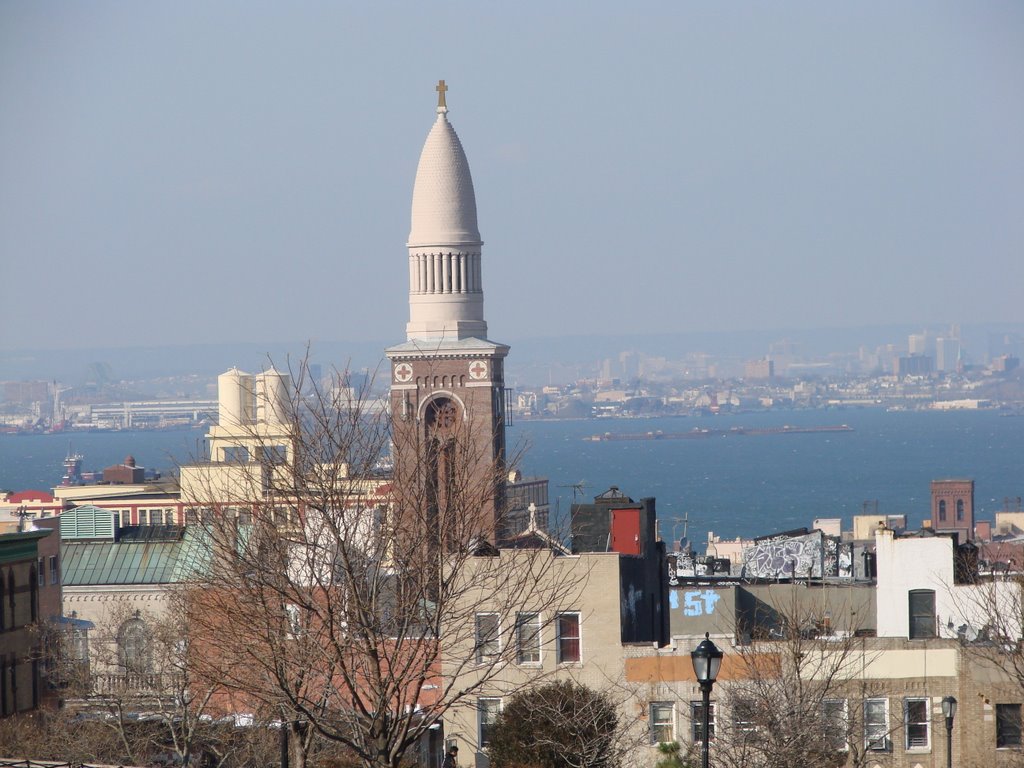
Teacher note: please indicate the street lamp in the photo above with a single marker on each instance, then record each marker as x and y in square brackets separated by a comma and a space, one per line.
[949, 712]
[707, 660]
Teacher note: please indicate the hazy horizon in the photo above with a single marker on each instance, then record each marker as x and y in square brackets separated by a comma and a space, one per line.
[218, 173]
[528, 353]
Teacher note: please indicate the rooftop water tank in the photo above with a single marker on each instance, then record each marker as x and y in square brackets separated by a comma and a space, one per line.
[235, 392]
[273, 397]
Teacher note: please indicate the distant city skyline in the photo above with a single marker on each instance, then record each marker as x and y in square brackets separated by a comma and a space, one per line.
[221, 173]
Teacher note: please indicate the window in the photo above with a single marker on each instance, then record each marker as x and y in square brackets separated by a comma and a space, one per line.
[959, 510]
[245, 517]
[33, 595]
[922, 613]
[13, 671]
[3, 686]
[191, 516]
[275, 454]
[55, 569]
[293, 617]
[663, 722]
[876, 725]
[1008, 725]
[487, 711]
[168, 517]
[833, 717]
[41, 570]
[697, 721]
[488, 639]
[567, 627]
[744, 727]
[78, 645]
[942, 510]
[528, 638]
[280, 515]
[237, 454]
[915, 719]
[133, 643]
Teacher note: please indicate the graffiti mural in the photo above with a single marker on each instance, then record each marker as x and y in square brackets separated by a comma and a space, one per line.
[830, 555]
[788, 557]
[845, 558]
[810, 555]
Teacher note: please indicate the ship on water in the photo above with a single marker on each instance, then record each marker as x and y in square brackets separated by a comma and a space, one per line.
[699, 432]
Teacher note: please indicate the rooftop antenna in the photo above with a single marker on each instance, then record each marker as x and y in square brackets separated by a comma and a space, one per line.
[576, 488]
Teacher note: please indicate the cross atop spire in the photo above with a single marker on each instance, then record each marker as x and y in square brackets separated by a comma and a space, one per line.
[441, 90]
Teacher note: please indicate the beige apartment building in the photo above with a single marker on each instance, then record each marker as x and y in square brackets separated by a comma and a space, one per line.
[573, 625]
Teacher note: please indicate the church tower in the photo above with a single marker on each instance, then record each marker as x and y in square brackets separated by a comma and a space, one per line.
[447, 379]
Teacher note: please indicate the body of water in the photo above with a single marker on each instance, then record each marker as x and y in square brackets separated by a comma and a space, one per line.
[735, 485]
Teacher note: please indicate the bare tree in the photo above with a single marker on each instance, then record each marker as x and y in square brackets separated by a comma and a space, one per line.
[331, 585]
[798, 696]
[987, 617]
[130, 696]
[143, 685]
[58, 735]
[989, 620]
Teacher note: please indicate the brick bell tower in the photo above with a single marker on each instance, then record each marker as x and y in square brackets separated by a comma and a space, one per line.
[953, 507]
[447, 379]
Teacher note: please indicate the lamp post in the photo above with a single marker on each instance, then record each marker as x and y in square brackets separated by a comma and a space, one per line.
[707, 660]
[949, 712]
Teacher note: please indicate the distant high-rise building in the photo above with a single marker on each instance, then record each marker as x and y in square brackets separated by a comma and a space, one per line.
[759, 369]
[630, 362]
[918, 343]
[914, 365]
[1005, 364]
[947, 354]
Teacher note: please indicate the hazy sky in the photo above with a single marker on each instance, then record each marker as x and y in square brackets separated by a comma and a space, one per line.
[189, 172]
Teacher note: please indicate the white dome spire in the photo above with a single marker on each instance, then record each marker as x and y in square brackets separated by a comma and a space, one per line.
[445, 286]
[443, 200]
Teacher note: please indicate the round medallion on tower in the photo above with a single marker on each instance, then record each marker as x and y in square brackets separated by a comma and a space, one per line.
[478, 370]
[403, 372]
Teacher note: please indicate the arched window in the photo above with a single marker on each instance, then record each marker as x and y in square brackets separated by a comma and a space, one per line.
[33, 594]
[942, 510]
[959, 510]
[134, 646]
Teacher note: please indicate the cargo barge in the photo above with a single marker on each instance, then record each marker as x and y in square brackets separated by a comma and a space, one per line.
[700, 432]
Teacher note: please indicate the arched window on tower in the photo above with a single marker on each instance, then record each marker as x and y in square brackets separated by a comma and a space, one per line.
[942, 510]
[443, 419]
[959, 510]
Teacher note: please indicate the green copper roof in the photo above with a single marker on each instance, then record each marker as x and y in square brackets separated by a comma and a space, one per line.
[134, 562]
[20, 545]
